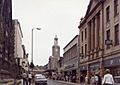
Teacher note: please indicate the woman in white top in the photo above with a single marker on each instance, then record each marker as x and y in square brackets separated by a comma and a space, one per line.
[108, 78]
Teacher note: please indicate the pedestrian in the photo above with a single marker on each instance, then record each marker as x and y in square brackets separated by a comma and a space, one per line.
[97, 79]
[92, 79]
[108, 78]
[67, 79]
[73, 78]
[86, 79]
[81, 79]
[33, 77]
[24, 77]
[29, 78]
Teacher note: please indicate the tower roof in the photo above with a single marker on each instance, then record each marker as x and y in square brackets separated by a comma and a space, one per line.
[56, 41]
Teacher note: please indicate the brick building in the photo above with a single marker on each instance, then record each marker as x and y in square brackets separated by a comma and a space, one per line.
[99, 38]
[70, 59]
[6, 39]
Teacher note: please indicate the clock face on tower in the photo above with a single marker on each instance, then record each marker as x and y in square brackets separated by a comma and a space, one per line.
[56, 49]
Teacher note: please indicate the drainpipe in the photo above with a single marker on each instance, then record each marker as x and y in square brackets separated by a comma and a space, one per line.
[102, 67]
[78, 52]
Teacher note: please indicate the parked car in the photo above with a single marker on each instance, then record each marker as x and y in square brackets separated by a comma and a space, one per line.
[40, 79]
[117, 80]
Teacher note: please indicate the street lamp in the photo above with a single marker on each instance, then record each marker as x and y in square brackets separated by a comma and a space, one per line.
[31, 64]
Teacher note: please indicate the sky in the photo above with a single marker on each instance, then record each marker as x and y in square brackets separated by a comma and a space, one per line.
[54, 17]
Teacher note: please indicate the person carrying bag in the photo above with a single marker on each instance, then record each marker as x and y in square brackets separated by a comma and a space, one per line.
[108, 78]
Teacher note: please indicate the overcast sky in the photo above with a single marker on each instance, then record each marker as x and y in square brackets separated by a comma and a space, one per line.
[54, 17]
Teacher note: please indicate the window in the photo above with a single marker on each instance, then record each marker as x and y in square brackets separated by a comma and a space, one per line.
[93, 33]
[82, 36]
[108, 38]
[116, 34]
[108, 14]
[82, 52]
[85, 49]
[82, 49]
[0, 48]
[115, 7]
[85, 33]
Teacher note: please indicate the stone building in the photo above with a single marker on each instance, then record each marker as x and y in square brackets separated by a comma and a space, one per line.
[24, 63]
[56, 49]
[18, 35]
[60, 69]
[99, 38]
[18, 48]
[70, 60]
[54, 59]
[6, 40]
[112, 36]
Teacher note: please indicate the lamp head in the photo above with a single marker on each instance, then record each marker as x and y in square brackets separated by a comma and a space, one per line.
[38, 28]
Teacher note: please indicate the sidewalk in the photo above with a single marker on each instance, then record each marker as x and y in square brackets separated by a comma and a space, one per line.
[69, 83]
[9, 82]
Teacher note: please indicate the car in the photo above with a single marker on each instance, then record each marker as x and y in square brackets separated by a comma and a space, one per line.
[40, 79]
[117, 80]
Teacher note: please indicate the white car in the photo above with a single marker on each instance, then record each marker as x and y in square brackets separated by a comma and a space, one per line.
[40, 79]
[117, 80]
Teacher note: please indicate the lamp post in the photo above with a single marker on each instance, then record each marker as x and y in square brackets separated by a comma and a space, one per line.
[32, 64]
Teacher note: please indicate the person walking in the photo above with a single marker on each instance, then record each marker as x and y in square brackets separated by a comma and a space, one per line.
[108, 78]
[24, 76]
[86, 80]
[97, 79]
[92, 79]
[81, 79]
[29, 78]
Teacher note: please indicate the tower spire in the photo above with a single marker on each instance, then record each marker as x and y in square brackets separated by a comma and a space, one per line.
[55, 40]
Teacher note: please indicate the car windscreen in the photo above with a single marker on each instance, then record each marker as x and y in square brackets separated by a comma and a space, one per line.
[40, 77]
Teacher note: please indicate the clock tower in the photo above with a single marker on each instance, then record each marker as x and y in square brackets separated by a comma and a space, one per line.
[56, 49]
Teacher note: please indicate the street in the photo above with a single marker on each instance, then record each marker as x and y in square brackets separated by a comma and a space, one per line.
[51, 82]
[57, 82]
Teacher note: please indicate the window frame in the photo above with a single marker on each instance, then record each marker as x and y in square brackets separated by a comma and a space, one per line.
[116, 36]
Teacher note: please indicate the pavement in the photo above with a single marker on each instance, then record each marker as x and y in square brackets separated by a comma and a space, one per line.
[69, 83]
[19, 82]
[10, 82]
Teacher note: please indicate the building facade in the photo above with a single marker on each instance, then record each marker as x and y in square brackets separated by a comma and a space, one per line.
[18, 48]
[99, 38]
[70, 60]
[53, 60]
[24, 63]
[56, 49]
[112, 36]
[91, 39]
[6, 44]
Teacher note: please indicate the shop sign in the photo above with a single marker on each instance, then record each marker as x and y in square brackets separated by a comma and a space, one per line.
[69, 66]
[83, 68]
[112, 62]
[94, 66]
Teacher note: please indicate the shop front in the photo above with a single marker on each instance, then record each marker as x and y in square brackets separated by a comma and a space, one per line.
[70, 72]
[94, 67]
[114, 65]
[83, 73]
